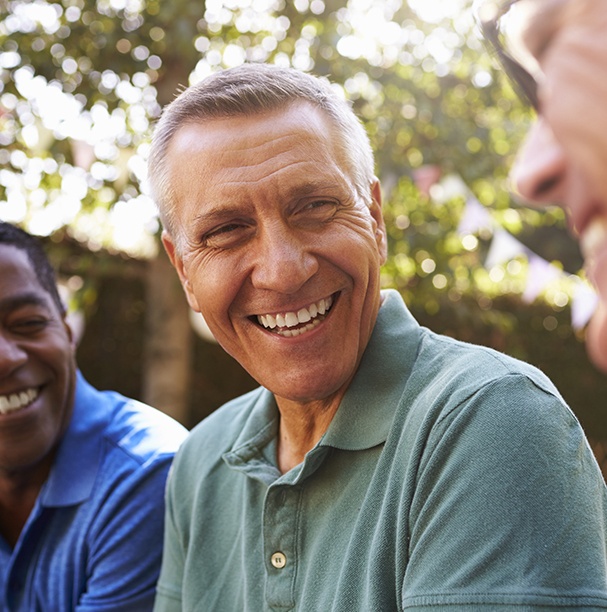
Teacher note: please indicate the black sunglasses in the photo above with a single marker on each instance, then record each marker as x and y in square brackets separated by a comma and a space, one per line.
[524, 83]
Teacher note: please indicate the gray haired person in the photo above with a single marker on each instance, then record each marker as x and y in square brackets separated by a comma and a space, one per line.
[379, 466]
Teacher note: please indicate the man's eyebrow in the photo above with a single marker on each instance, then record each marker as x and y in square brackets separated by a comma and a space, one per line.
[20, 300]
[219, 213]
[309, 187]
[320, 188]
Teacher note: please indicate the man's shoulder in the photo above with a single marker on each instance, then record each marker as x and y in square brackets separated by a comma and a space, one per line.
[145, 431]
[456, 363]
[135, 429]
[463, 394]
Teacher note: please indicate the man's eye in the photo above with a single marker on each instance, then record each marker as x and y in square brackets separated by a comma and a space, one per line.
[30, 326]
[318, 210]
[224, 229]
[225, 236]
[319, 204]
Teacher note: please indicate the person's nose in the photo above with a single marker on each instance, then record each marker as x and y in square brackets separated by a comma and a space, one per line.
[12, 356]
[540, 170]
[284, 261]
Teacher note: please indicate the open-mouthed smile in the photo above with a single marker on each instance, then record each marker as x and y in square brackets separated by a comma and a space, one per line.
[17, 401]
[293, 323]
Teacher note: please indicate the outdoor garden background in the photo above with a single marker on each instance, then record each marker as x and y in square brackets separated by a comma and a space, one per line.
[82, 82]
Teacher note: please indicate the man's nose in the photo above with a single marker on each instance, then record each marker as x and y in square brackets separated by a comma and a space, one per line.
[284, 261]
[540, 170]
[12, 356]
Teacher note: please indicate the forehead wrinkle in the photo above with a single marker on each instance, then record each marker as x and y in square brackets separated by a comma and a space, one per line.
[272, 150]
[269, 175]
[269, 141]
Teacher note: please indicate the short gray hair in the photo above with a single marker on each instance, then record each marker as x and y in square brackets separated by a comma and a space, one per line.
[249, 89]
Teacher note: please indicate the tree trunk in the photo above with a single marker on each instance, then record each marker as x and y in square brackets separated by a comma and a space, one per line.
[168, 342]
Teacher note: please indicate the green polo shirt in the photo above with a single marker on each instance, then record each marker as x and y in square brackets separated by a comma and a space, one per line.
[451, 477]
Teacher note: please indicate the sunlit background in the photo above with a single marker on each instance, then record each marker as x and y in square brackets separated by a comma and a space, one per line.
[82, 82]
[109, 146]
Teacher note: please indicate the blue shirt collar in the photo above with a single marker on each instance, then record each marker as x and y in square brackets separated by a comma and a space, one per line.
[76, 464]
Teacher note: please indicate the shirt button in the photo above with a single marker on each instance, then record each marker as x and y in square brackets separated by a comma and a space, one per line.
[278, 560]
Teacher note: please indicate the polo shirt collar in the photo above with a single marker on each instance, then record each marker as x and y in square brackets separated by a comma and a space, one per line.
[367, 409]
[251, 450]
[76, 464]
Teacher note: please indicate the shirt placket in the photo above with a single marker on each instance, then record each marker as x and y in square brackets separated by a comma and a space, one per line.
[280, 518]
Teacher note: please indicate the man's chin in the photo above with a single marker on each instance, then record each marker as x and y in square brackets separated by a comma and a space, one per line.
[596, 338]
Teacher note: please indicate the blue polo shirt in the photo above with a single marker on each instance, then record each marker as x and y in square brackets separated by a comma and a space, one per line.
[93, 540]
[452, 477]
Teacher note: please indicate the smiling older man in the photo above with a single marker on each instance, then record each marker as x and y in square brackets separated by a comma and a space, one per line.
[379, 466]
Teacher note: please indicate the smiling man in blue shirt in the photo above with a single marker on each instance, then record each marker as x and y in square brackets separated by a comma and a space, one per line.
[82, 472]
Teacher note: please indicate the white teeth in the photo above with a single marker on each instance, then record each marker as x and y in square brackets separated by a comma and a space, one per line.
[292, 319]
[16, 401]
[594, 236]
[268, 321]
[303, 316]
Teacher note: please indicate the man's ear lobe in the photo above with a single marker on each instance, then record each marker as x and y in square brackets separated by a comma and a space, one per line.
[169, 247]
[381, 236]
[177, 261]
[376, 192]
[174, 257]
[69, 330]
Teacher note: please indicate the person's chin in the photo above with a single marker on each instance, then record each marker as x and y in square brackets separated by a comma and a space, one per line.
[596, 338]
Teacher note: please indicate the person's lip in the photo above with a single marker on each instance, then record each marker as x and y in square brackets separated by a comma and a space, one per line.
[18, 400]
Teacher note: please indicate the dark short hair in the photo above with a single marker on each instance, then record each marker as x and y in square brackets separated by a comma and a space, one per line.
[11, 235]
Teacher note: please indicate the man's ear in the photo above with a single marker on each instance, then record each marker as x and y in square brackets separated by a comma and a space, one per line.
[74, 324]
[177, 261]
[70, 331]
[380, 230]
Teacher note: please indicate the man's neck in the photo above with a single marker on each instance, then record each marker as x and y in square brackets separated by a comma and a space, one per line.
[18, 493]
[302, 425]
